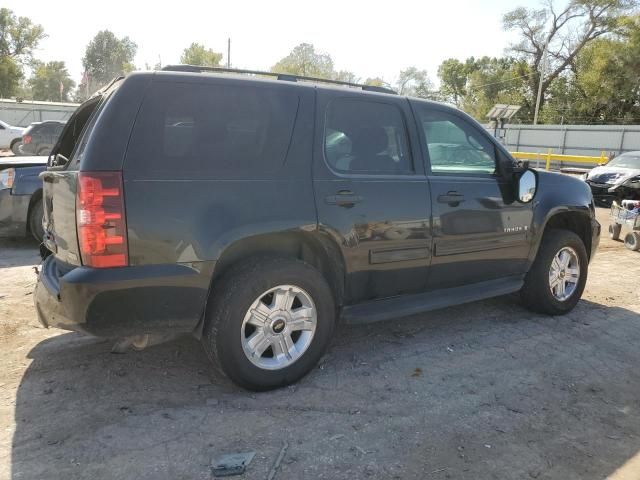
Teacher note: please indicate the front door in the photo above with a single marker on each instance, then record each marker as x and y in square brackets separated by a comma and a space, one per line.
[372, 194]
[480, 232]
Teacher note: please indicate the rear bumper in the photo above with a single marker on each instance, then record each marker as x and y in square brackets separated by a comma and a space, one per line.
[13, 213]
[115, 302]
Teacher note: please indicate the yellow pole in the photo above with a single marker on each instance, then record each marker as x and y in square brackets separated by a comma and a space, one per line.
[548, 159]
[603, 157]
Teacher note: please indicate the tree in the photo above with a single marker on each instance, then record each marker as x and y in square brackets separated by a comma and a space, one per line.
[415, 83]
[51, 82]
[197, 54]
[345, 76]
[105, 58]
[18, 39]
[557, 37]
[305, 61]
[18, 35]
[453, 80]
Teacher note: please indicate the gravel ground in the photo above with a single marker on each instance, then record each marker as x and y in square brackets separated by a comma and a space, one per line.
[480, 391]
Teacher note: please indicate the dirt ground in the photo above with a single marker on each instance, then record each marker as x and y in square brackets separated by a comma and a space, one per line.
[481, 391]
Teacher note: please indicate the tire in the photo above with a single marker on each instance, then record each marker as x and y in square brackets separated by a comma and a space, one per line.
[35, 220]
[227, 330]
[614, 231]
[15, 146]
[537, 294]
[632, 241]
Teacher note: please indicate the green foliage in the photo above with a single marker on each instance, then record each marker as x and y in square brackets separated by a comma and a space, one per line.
[51, 82]
[197, 54]
[551, 40]
[375, 82]
[478, 84]
[453, 80]
[10, 75]
[415, 83]
[305, 61]
[19, 37]
[107, 57]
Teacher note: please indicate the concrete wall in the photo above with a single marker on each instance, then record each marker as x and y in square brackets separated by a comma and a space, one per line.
[23, 113]
[571, 139]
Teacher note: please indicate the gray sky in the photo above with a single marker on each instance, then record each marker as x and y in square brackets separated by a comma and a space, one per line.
[370, 38]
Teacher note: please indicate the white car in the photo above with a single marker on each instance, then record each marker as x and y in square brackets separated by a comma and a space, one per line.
[10, 136]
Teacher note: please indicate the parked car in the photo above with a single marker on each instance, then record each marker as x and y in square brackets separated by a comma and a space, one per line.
[617, 180]
[40, 137]
[228, 206]
[21, 196]
[10, 137]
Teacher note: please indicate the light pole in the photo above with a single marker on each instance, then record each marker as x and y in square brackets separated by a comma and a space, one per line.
[543, 66]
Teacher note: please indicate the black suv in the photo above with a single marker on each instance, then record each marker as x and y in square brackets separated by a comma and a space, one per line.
[40, 137]
[255, 213]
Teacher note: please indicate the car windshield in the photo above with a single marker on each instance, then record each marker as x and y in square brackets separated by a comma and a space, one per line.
[625, 161]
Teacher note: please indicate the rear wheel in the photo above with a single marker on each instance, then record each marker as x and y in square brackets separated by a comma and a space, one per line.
[632, 241]
[558, 275]
[614, 231]
[269, 322]
[35, 220]
[15, 146]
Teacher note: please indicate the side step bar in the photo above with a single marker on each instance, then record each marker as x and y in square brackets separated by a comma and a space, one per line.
[403, 306]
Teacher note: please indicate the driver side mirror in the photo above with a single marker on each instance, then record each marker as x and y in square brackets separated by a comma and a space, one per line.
[527, 186]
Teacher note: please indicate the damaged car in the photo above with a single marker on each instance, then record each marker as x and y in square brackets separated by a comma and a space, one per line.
[617, 180]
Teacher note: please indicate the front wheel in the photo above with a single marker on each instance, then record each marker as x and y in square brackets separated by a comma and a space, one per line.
[632, 241]
[269, 322]
[557, 278]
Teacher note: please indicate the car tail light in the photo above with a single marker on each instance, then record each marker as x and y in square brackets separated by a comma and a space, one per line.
[26, 140]
[100, 217]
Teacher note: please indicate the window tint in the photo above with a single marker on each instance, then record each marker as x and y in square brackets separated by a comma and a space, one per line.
[186, 129]
[366, 137]
[455, 145]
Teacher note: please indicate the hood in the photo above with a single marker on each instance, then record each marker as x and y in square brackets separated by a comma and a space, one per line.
[611, 175]
[6, 162]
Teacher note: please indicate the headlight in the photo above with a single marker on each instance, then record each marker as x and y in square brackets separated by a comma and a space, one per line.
[6, 178]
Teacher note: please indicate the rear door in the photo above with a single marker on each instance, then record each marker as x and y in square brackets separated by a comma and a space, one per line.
[371, 194]
[480, 232]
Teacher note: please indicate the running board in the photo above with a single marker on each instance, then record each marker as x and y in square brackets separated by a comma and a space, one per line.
[405, 305]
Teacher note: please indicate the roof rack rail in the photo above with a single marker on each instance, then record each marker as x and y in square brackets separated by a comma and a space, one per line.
[280, 76]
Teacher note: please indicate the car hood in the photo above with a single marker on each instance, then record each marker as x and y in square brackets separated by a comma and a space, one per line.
[611, 175]
[22, 161]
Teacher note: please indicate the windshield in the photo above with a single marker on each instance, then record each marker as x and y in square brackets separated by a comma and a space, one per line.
[626, 161]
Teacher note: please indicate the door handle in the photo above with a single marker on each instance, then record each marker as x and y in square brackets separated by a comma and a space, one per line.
[452, 198]
[344, 198]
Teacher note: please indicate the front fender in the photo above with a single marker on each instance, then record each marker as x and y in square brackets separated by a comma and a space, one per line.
[559, 194]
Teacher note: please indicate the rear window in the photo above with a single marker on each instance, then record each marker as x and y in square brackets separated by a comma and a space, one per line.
[186, 129]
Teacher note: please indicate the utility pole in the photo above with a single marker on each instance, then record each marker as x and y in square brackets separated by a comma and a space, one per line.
[543, 67]
[229, 52]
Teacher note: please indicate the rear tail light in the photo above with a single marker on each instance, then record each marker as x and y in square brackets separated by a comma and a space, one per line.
[26, 140]
[100, 217]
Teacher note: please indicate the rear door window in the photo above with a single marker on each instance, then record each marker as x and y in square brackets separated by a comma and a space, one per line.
[212, 130]
[366, 137]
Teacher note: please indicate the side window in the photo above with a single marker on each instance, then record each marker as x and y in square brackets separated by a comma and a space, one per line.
[455, 145]
[366, 137]
[211, 129]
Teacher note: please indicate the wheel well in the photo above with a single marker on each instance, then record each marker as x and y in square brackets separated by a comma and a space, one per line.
[14, 141]
[577, 223]
[315, 250]
[37, 195]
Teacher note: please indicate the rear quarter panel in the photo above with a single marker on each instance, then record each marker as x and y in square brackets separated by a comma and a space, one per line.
[194, 219]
